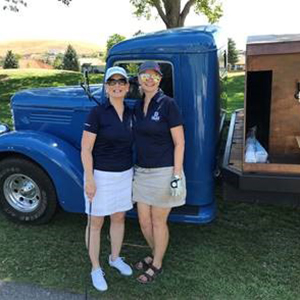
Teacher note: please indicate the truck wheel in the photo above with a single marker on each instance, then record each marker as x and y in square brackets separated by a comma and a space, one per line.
[27, 194]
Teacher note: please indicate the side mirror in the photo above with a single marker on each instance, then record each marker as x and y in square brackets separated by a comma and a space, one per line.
[86, 87]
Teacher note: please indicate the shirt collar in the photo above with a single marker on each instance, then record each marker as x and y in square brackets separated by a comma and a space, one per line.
[107, 104]
[158, 96]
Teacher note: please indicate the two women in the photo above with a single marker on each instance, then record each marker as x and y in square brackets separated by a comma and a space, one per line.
[159, 182]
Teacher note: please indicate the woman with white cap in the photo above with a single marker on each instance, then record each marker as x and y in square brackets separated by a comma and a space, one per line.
[107, 161]
[159, 182]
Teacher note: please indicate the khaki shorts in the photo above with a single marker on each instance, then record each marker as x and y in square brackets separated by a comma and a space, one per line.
[152, 186]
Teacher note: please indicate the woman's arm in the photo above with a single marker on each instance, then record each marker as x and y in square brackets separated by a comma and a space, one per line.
[178, 140]
[87, 145]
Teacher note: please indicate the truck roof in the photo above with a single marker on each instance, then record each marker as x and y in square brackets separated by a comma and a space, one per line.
[184, 39]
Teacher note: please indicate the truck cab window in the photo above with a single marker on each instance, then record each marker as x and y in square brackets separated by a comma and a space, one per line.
[132, 69]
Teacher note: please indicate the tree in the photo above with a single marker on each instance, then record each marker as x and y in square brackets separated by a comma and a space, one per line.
[70, 60]
[233, 55]
[113, 40]
[58, 62]
[10, 61]
[170, 10]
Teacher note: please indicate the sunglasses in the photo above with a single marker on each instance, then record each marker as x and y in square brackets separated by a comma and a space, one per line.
[145, 76]
[112, 82]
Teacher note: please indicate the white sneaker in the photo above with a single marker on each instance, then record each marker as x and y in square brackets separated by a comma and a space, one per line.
[98, 279]
[120, 265]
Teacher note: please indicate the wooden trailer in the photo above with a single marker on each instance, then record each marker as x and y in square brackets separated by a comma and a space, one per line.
[272, 106]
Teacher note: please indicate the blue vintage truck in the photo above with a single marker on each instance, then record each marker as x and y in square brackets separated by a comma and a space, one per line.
[40, 166]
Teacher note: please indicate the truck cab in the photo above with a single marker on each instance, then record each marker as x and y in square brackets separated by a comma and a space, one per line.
[40, 164]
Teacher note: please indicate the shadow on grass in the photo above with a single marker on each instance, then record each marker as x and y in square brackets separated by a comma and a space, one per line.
[3, 77]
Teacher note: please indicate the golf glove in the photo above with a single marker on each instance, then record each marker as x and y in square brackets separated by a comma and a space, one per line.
[176, 186]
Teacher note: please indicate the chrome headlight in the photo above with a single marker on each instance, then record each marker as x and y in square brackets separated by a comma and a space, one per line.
[3, 128]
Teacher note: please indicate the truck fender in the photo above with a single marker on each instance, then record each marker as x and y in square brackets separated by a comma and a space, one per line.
[59, 159]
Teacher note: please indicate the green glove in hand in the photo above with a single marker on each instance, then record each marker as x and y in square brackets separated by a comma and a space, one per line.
[176, 186]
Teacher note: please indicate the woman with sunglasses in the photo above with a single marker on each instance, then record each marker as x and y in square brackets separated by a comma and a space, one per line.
[107, 161]
[159, 182]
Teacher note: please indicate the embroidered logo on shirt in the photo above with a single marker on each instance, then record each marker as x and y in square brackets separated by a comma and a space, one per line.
[155, 116]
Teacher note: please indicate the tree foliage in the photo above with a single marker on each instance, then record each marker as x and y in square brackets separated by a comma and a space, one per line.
[70, 60]
[233, 55]
[58, 62]
[113, 40]
[14, 5]
[171, 13]
[10, 61]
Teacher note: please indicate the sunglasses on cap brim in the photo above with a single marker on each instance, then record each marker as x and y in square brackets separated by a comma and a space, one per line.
[145, 76]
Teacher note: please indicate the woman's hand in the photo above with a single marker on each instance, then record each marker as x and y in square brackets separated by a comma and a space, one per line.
[176, 186]
[87, 145]
[90, 189]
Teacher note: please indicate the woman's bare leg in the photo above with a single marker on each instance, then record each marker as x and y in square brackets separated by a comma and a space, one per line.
[117, 227]
[95, 232]
[145, 220]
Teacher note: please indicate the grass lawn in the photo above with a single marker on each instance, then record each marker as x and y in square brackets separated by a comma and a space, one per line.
[249, 252]
[235, 91]
[12, 81]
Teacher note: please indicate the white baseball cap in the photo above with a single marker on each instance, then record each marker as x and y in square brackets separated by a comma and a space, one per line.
[113, 71]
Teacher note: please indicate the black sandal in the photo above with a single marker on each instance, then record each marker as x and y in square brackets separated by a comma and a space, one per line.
[149, 278]
[144, 264]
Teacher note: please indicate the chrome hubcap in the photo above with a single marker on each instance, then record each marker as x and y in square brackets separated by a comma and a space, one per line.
[22, 193]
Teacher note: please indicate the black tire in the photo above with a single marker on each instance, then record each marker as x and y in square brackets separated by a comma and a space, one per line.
[27, 194]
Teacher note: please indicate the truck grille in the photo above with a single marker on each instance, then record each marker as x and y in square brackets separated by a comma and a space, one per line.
[50, 118]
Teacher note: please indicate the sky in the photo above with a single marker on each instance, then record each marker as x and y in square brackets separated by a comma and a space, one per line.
[95, 20]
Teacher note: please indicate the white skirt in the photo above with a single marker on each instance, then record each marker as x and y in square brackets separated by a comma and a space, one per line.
[113, 194]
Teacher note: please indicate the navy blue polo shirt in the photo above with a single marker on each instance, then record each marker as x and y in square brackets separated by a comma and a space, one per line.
[113, 145]
[154, 143]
